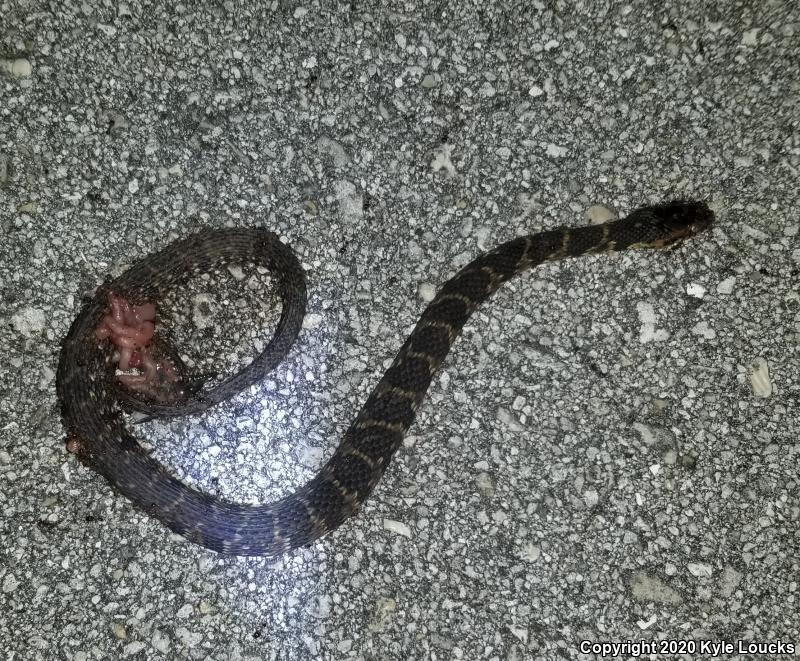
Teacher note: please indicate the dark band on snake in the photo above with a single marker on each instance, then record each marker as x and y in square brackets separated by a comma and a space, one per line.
[92, 398]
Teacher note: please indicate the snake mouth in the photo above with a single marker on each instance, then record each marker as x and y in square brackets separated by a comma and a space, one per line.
[704, 218]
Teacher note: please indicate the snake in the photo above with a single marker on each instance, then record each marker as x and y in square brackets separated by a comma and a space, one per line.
[94, 406]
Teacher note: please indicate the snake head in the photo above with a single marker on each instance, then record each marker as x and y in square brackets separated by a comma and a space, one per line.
[668, 225]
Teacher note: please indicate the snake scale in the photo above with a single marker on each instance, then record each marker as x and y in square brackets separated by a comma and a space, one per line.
[92, 401]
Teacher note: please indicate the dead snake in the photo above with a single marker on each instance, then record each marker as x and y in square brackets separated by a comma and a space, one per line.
[91, 403]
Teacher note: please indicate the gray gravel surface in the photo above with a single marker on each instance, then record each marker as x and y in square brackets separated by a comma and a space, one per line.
[609, 453]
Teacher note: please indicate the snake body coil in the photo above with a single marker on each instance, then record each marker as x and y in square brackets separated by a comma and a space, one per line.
[97, 433]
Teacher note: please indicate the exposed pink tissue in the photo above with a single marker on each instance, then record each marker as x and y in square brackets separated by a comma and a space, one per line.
[131, 328]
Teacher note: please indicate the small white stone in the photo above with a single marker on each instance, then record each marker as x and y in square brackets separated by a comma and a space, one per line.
[598, 214]
[702, 328]
[535, 91]
[484, 483]
[729, 581]
[696, 290]
[647, 434]
[160, 641]
[648, 331]
[591, 497]
[507, 417]
[504, 153]
[21, 68]
[759, 378]
[427, 292]
[441, 160]
[400, 40]
[750, 37]
[646, 624]
[699, 569]
[556, 151]
[299, 12]
[726, 286]
[10, 583]
[236, 271]
[312, 320]
[133, 185]
[133, 648]
[397, 527]
[188, 638]
[28, 321]
[531, 552]
[487, 90]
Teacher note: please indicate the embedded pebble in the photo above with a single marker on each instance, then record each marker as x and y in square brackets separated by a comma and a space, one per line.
[397, 527]
[646, 624]
[729, 580]
[556, 151]
[646, 587]
[18, 68]
[699, 569]
[10, 583]
[312, 320]
[648, 331]
[333, 149]
[29, 321]
[428, 81]
[648, 435]
[133, 648]
[760, 379]
[427, 292]
[702, 328]
[696, 290]
[441, 160]
[351, 203]
[750, 37]
[507, 417]
[487, 89]
[236, 271]
[598, 214]
[727, 285]
[485, 484]
[203, 309]
[188, 638]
